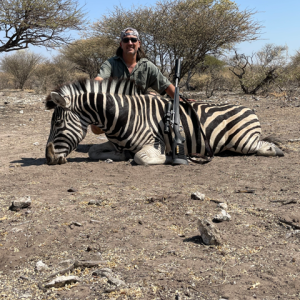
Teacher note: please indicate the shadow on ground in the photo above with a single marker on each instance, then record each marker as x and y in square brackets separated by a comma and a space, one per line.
[27, 162]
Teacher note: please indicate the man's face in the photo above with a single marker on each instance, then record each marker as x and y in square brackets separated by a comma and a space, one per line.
[128, 46]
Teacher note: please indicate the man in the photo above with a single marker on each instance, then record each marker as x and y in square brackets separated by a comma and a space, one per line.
[130, 62]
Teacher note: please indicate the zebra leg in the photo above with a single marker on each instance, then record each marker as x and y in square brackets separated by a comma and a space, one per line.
[105, 151]
[150, 155]
[252, 145]
[268, 149]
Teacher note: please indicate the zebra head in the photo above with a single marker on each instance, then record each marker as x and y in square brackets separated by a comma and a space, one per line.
[76, 105]
[67, 129]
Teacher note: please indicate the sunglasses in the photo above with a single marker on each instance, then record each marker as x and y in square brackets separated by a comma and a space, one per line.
[126, 40]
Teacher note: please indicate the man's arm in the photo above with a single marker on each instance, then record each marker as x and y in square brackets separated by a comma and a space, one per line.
[170, 90]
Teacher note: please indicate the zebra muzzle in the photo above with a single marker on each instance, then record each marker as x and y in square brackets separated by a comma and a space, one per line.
[52, 158]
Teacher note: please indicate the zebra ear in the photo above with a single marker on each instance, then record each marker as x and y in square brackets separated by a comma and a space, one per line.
[59, 100]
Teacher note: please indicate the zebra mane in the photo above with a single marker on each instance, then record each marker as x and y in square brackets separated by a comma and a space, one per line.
[106, 86]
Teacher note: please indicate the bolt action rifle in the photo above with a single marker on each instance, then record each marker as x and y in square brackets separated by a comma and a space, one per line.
[172, 118]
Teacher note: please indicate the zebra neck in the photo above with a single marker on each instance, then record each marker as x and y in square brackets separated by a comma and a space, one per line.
[101, 109]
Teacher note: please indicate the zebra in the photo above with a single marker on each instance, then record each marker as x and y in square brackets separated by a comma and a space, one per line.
[135, 122]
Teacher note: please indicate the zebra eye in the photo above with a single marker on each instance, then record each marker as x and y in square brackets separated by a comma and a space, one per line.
[59, 122]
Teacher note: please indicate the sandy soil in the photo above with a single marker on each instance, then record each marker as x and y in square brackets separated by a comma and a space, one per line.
[144, 226]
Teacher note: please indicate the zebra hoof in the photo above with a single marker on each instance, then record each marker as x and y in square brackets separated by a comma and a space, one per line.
[269, 149]
[279, 152]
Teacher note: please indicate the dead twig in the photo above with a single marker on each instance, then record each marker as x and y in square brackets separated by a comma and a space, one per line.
[88, 263]
[78, 264]
[284, 202]
[289, 223]
[290, 202]
[217, 201]
[246, 191]
[62, 272]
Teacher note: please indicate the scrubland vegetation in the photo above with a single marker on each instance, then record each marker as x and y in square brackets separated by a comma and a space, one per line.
[270, 70]
[203, 34]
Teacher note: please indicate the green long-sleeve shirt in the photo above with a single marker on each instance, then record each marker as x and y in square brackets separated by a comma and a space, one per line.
[145, 73]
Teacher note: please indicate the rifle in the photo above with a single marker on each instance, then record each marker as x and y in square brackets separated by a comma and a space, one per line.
[172, 118]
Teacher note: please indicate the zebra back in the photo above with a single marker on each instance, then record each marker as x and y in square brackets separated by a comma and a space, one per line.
[106, 86]
[120, 86]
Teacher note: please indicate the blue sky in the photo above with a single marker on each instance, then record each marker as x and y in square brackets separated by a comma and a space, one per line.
[280, 19]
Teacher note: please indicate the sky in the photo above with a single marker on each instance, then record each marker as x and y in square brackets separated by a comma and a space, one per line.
[280, 19]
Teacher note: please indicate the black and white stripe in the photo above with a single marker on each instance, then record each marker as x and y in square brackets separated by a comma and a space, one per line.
[135, 122]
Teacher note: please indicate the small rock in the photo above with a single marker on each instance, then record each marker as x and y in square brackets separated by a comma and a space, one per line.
[24, 277]
[21, 203]
[36, 143]
[106, 272]
[223, 205]
[197, 196]
[116, 281]
[288, 235]
[294, 140]
[189, 212]
[77, 224]
[31, 119]
[66, 263]
[209, 233]
[101, 272]
[222, 216]
[95, 221]
[109, 161]
[292, 233]
[95, 202]
[62, 281]
[71, 190]
[14, 230]
[40, 266]
[26, 296]
[21, 111]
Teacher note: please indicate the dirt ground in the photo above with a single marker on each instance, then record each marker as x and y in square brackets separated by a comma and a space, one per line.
[144, 226]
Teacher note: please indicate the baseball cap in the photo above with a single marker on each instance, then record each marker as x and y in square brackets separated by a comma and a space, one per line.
[131, 31]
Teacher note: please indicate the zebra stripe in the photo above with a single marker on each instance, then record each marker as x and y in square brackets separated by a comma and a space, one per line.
[135, 122]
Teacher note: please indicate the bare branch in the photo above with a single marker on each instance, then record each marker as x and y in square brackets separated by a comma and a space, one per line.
[259, 70]
[37, 22]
